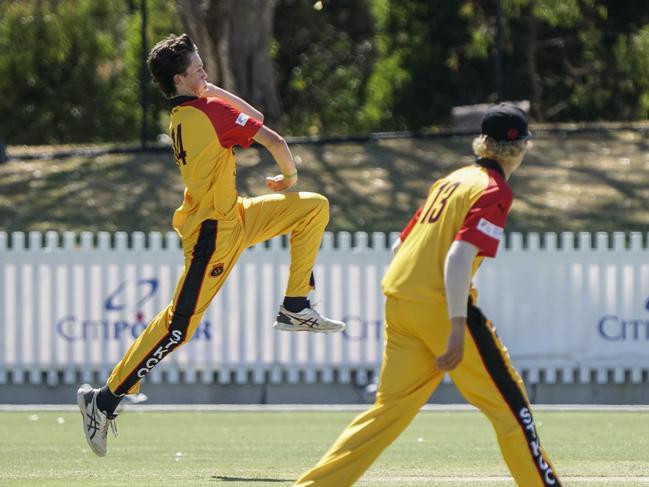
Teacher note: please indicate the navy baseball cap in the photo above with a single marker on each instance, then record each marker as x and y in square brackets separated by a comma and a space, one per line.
[505, 123]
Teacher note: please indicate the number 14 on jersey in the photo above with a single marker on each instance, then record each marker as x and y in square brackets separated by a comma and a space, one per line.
[177, 142]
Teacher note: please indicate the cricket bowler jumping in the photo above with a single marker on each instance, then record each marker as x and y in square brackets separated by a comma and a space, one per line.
[215, 224]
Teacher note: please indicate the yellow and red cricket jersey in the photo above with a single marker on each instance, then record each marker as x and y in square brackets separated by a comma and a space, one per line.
[470, 204]
[204, 132]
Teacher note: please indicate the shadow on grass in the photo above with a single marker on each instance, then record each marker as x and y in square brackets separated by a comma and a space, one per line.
[577, 183]
[225, 478]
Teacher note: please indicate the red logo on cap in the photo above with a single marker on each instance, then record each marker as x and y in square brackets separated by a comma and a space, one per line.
[512, 134]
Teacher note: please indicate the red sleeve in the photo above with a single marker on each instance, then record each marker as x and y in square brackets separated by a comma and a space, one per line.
[484, 225]
[411, 223]
[232, 127]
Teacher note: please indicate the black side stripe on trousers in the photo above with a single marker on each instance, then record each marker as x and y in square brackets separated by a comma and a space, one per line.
[497, 367]
[184, 307]
[312, 281]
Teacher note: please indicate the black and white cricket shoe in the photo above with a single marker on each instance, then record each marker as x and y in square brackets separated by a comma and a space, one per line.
[95, 422]
[306, 320]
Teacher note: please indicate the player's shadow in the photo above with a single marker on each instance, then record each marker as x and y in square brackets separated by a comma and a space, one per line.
[225, 478]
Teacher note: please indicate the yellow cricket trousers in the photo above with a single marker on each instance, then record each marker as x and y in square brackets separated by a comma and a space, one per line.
[415, 334]
[210, 255]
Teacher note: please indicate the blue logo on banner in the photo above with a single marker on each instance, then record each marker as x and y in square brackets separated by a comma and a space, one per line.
[146, 289]
[73, 328]
[613, 328]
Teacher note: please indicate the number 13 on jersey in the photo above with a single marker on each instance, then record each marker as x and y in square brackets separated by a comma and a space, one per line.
[436, 207]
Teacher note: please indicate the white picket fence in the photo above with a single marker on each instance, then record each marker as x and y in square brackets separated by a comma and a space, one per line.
[569, 309]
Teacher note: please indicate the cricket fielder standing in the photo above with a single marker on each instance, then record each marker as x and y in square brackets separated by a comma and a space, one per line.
[215, 224]
[431, 330]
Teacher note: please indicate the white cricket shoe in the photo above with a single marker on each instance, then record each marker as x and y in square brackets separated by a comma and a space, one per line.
[95, 422]
[306, 320]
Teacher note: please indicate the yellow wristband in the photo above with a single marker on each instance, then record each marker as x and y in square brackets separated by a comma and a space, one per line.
[287, 176]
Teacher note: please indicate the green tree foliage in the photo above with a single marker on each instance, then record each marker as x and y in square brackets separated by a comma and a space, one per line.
[574, 59]
[583, 59]
[425, 64]
[632, 55]
[70, 70]
[55, 64]
[625, 72]
[162, 21]
[324, 56]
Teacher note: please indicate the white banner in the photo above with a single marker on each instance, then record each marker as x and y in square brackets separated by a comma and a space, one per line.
[586, 307]
[79, 301]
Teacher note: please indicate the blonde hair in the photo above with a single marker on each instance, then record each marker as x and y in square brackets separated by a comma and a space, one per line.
[485, 146]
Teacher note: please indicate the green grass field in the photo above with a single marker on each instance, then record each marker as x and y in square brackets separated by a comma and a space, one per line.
[273, 448]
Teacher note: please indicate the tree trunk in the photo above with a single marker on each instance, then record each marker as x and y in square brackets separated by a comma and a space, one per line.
[233, 37]
[208, 24]
[251, 31]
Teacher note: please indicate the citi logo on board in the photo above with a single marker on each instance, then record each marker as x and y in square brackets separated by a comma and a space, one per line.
[613, 328]
[128, 297]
